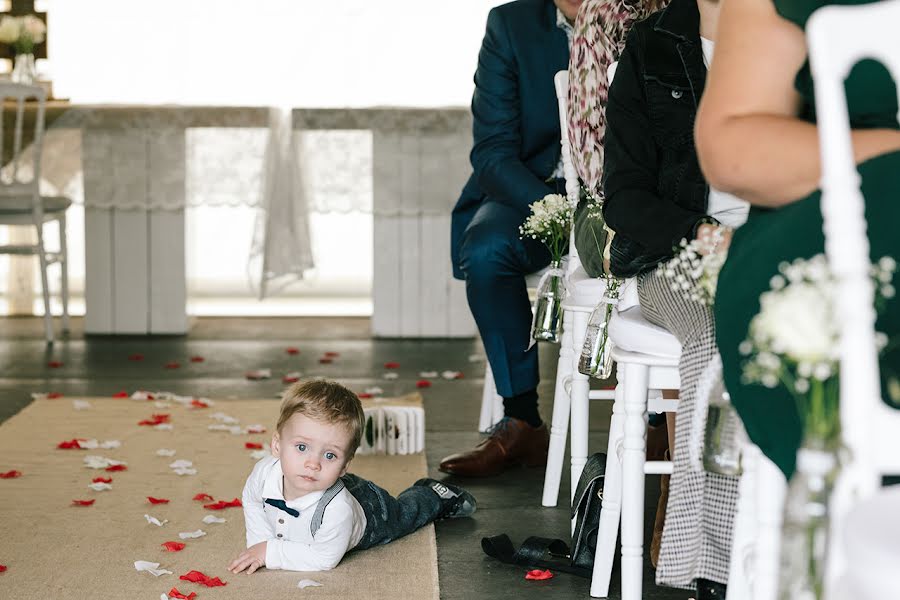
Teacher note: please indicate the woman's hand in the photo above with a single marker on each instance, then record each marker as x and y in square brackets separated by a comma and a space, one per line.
[713, 238]
[252, 558]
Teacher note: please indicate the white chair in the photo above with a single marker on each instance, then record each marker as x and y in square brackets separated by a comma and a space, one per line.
[21, 202]
[838, 38]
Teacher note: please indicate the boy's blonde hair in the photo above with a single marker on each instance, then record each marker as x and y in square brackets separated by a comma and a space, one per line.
[327, 402]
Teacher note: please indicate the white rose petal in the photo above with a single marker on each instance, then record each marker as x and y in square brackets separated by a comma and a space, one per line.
[155, 521]
[165, 452]
[186, 535]
[99, 486]
[150, 567]
[210, 519]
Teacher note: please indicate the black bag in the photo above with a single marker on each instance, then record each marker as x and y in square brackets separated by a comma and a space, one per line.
[546, 553]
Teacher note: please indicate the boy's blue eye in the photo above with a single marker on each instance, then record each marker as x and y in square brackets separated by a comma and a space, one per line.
[330, 455]
[301, 447]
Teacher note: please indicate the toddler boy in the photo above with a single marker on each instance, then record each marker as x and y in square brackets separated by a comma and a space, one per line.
[303, 511]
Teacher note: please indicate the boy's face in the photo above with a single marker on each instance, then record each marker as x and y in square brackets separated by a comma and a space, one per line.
[313, 454]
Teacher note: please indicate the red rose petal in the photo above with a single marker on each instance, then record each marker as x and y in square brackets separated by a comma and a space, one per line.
[331, 354]
[173, 365]
[459, 376]
[173, 546]
[423, 383]
[198, 577]
[153, 500]
[122, 394]
[252, 446]
[10, 474]
[252, 429]
[2, 568]
[196, 403]
[69, 445]
[364, 395]
[156, 419]
[291, 378]
[538, 575]
[55, 364]
[174, 593]
[101, 480]
[222, 504]
[292, 350]
[54, 395]
[83, 502]
[391, 365]
[325, 361]
[135, 357]
[203, 497]
[197, 359]
[114, 468]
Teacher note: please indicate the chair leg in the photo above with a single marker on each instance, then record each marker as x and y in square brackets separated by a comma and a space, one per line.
[635, 397]
[64, 267]
[488, 401]
[579, 398]
[608, 529]
[770, 494]
[559, 426]
[45, 286]
[740, 570]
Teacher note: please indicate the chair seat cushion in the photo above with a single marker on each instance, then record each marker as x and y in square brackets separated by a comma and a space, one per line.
[630, 331]
[584, 289]
[14, 205]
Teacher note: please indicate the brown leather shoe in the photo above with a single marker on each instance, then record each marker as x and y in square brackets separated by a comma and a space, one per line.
[512, 442]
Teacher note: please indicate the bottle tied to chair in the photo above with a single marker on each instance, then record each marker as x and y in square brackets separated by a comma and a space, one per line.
[596, 353]
[548, 305]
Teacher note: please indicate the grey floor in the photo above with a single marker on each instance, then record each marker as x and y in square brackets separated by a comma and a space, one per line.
[99, 366]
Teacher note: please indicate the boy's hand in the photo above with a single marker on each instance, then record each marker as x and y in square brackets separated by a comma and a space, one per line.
[251, 559]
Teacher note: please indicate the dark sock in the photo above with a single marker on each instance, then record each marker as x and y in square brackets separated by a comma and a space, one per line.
[523, 406]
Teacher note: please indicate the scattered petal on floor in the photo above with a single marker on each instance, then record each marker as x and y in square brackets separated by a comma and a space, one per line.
[325, 360]
[99, 486]
[428, 374]
[223, 418]
[173, 546]
[222, 504]
[165, 452]
[363, 395]
[423, 383]
[101, 462]
[114, 468]
[305, 583]
[174, 594]
[153, 500]
[3, 568]
[391, 375]
[258, 374]
[474, 358]
[256, 428]
[187, 535]
[374, 390]
[101, 480]
[210, 519]
[292, 377]
[150, 567]
[198, 577]
[164, 427]
[292, 350]
[538, 575]
[451, 375]
[10, 474]
[135, 357]
[173, 365]
[197, 359]
[81, 405]
[55, 364]
[120, 394]
[142, 395]
[155, 521]
[198, 403]
[233, 429]
[73, 444]
[201, 497]
[331, 354]
[83, 502]
[252, 446]
[391, 365]
[155, 420]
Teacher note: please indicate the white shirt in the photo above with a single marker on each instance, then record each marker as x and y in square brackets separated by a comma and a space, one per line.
[725, 208]
[289, 541]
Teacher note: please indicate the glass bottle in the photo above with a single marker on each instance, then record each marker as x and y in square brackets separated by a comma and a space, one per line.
[596, 353]
[548, 305]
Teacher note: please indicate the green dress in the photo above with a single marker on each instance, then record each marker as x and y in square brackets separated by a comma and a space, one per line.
[771, 236]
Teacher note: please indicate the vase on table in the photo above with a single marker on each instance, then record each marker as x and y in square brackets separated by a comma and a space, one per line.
[548, 305]
[24, 70]
[596, 353]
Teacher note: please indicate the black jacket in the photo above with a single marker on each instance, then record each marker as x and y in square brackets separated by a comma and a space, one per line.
[655, 192]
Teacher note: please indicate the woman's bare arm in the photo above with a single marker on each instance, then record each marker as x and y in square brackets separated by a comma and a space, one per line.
[749, 140]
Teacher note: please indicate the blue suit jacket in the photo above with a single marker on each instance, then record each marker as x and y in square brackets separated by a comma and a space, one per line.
[516, 120]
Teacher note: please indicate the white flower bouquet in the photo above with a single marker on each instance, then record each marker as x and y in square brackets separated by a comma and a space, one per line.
[550, 222]
[22, 33]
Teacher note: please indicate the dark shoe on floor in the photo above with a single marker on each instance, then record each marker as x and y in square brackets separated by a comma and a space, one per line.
[710, 590]
[511, 442]
[458, 503]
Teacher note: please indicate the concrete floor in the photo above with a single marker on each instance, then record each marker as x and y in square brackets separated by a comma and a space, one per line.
[99, 366]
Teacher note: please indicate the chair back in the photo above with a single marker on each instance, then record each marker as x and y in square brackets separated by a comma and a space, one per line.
[21, 173]
[561, 82]
[838, 37]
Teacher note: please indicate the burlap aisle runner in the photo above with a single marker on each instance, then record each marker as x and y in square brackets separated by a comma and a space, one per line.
[57, 551]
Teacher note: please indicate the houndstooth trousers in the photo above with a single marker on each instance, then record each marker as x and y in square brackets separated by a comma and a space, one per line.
[696, 540]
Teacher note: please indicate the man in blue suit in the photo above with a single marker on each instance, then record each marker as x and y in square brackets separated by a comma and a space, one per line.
[516, 161]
